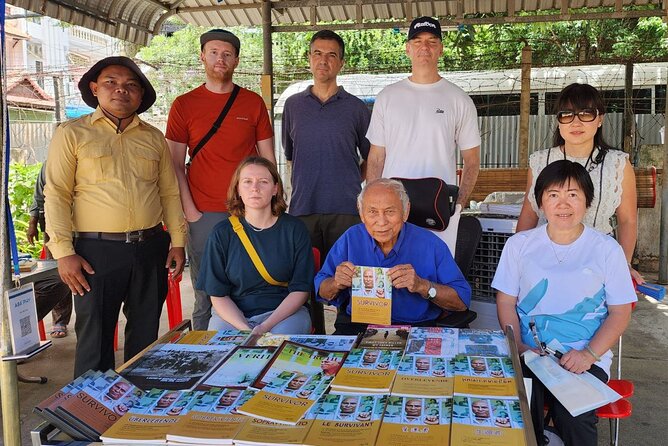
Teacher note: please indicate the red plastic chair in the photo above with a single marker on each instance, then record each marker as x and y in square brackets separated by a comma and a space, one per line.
[615, 412]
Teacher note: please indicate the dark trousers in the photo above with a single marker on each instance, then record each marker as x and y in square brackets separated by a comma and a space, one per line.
[574, 431]
[51, 294]
[325, 229]
[344, 326]
[198, 234]
[128, 274]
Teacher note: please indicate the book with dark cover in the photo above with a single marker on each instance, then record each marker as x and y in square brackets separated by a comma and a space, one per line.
[176, 366]
[387, 337]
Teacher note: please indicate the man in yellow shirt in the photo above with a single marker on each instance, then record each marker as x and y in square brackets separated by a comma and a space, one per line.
[111, 187]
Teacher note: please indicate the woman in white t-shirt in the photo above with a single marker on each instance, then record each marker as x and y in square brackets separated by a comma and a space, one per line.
[573, 282]
[579, 137]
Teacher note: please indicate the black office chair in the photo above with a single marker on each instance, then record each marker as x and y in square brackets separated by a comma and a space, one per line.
[468, 237]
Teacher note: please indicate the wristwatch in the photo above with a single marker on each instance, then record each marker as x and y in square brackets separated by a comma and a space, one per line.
[431, 294]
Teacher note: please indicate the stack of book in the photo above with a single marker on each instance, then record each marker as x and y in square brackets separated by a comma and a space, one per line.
[399, 385]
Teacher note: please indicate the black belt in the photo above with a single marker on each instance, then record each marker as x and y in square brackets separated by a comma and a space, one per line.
[127, 237]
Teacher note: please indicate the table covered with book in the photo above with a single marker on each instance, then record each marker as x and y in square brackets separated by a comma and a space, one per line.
[393, 385]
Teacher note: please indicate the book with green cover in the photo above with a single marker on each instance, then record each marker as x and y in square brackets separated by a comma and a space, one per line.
[292, 382]
[240, 368]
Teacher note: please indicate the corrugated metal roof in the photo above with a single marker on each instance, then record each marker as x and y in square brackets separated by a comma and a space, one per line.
[138, 20]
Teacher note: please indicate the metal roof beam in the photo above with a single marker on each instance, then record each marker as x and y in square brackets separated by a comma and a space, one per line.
[445, 22]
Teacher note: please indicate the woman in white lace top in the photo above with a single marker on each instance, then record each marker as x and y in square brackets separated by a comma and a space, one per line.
[579, 137]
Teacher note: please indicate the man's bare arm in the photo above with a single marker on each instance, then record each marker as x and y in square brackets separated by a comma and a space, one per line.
[471, 158]
[178, 153]
[375, 163]
[265, 149]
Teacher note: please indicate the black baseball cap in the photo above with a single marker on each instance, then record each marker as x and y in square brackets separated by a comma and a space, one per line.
[91, 76]
[220, 34]
[425, 25]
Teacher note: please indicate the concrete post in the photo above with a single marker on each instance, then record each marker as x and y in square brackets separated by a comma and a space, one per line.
[525, 107]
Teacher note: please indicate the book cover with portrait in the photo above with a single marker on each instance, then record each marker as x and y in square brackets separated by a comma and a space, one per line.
[491, 421]
[259, 431]
[345, 419]
[485, 375]
[292, 382]
[371, 296]
[416, 421]
[368, 370]
[424, 375]
[212, 417]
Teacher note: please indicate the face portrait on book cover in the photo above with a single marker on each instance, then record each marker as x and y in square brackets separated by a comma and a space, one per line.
[412, 410]
[370, 357]
[117, 390]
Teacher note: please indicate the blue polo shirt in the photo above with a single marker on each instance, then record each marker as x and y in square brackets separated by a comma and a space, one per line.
[324, 141]
[419, 247]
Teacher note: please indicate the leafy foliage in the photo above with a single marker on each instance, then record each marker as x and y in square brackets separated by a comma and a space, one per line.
[480, 47]
[22, 180]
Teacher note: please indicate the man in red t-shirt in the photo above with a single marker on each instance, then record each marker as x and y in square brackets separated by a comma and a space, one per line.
[245, 131]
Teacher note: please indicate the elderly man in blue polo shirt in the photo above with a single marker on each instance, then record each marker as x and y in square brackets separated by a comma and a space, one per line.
[425, 277]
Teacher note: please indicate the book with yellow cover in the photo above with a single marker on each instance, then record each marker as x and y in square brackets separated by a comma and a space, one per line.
[416, 422]
[149, 421]
[292, 382]
[212, 418]
[368, 371]
[484, 375]
[423, 375]
[257, 431]
[490, 421]
[371, 296]
[347, 419]
[197, 337]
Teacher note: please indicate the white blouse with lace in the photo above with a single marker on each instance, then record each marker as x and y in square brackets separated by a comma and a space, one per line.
[607, 178]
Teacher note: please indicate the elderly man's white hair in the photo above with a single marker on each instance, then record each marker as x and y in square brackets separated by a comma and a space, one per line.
[394, 185]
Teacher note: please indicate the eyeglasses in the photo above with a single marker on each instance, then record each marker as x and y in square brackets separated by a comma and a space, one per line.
[584, 115]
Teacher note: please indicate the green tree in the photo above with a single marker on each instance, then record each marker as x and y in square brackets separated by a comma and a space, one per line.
[22, 180]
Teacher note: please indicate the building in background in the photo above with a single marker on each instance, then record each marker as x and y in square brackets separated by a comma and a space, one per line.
[45, 59]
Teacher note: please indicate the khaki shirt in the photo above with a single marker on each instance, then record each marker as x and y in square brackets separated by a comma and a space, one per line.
[102, 181]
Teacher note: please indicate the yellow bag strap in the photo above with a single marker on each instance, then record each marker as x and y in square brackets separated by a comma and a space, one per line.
[250, 249]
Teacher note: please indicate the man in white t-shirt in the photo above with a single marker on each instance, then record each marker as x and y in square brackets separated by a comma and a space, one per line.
[419, 123]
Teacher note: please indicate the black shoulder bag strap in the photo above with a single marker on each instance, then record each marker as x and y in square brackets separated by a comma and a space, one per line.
[219, 121]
